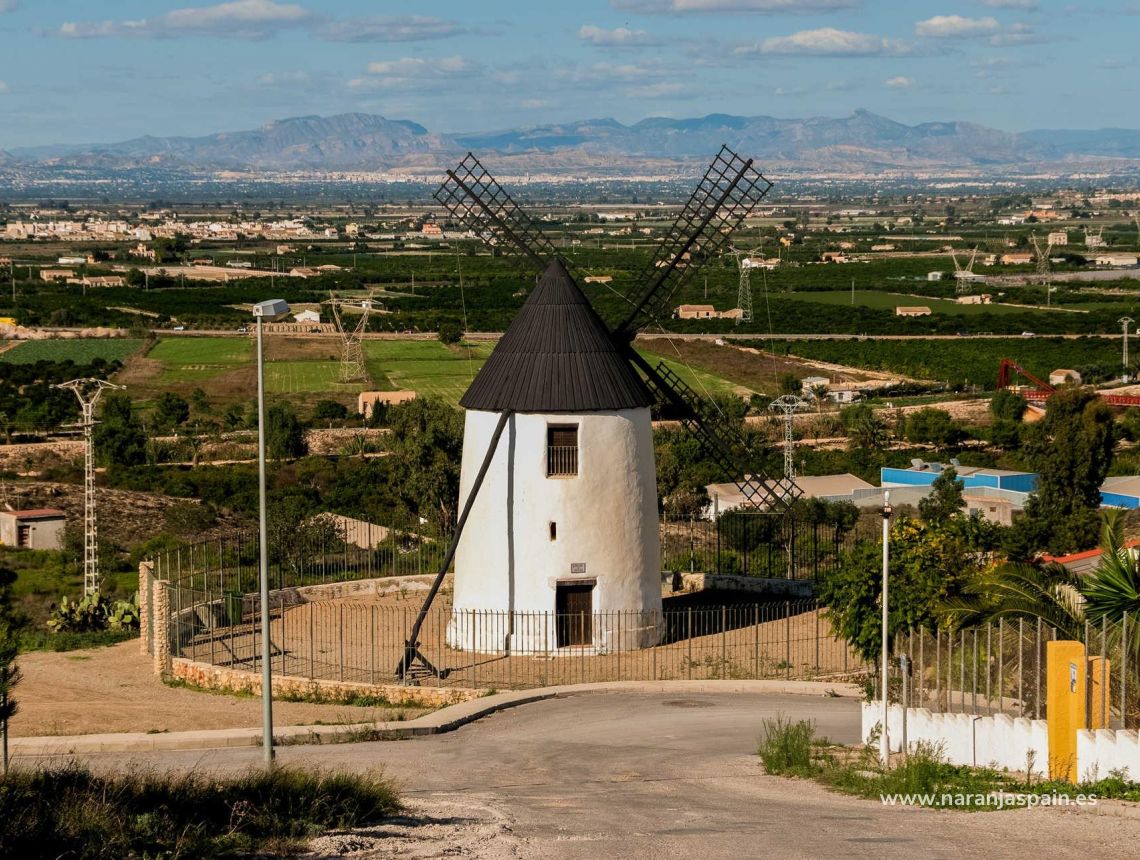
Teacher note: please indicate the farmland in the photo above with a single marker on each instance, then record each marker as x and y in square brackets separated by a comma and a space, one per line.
[425, 366]
[968, 362]
[80, 351]
[889, 301]
[197, 359]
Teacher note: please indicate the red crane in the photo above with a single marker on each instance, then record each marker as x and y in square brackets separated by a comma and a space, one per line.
[1010, 370]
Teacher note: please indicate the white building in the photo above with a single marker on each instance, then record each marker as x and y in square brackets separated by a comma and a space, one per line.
[38, 528]
[566, 519]
[307, 316]
[1058, 238]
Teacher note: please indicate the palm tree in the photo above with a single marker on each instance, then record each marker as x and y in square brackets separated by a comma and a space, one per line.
[1114, 587]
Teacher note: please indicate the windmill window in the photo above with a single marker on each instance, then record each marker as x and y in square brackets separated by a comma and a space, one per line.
[562, 451]
[553, 530]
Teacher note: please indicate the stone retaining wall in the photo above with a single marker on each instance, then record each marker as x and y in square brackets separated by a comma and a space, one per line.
[222, 679]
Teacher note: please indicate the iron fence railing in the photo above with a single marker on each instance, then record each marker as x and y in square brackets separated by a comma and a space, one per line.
[362, 640]
[1001, 668]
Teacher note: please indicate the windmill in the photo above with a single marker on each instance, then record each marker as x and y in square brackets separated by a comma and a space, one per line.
[964, 275]
[1042, 250]
[570, 499]
[352, 354]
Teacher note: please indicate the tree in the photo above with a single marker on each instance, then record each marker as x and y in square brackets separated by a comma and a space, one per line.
[864, 428]
[1071, 451]
[933, 426]
[329, 410]
[928, 567]
[427, 445]
[171, 410]
[234, 416]
[450, 333]
[284, 433]
[945, 499]
[119, 437]
[9, 671]
[1113, 588]
[789, 384]
[1008, 405]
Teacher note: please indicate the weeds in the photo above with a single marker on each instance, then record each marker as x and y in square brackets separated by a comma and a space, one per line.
[69, 811]
[787, 747]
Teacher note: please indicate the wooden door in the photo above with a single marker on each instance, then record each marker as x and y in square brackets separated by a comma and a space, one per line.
[574, 605]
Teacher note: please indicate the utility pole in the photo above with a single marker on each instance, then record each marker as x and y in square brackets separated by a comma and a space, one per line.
[88, 391]
[1125, 322]
[884, 740]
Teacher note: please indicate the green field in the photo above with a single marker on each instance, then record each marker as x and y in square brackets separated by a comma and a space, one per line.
[196, 359]
[80, 351]
[425, 366]
[304, 377]
[889, 301]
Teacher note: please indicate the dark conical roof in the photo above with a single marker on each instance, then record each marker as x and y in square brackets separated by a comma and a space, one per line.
[557, 356]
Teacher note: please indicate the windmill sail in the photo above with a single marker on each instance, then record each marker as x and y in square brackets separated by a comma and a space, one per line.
[476, 199]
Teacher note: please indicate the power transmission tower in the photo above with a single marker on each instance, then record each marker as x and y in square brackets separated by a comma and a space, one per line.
[88, 391]
[1043, 271]
[352, 353]
[744, 291]
[964, 275]
[789, 405]
[1125, 322]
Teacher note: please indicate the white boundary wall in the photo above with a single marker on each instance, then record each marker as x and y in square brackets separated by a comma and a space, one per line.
[1101, 751]
[999, 740]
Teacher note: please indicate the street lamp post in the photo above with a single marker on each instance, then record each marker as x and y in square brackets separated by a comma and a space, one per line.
[271, 311]
[884, 742]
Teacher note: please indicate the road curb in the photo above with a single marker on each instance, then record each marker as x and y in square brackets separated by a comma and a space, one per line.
[438, 722]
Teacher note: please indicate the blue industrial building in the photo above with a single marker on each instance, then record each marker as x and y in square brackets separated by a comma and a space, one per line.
[923, 474]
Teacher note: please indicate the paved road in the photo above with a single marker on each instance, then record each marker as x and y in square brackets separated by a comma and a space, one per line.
[659, 775]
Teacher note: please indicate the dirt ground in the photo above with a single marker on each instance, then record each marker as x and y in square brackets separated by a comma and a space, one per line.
[115, 690]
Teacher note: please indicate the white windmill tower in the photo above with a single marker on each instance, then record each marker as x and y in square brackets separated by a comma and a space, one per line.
[566, 520]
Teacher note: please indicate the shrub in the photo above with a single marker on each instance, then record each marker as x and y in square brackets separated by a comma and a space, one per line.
[67, 811]
[787, 746]
[94, 613]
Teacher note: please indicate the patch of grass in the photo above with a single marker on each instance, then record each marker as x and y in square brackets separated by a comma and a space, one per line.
[427, 367]
[791, 749]
[44, 640]
[701, 381]
[787, 746]
[889, 301]
[301, 377]
[195, 359]
[67, 811]
[81, 351]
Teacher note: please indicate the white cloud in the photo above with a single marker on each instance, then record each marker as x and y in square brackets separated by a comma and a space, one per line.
[280, 79]
[899, 82]
[4, 88]
[1011, 4]
[8, 6]
[238, 19]
[533, 104]
[390, 28]
[656, 91]
[676, 7]
[414, 74]
[829, 42]
[956, 27]
[620, 37]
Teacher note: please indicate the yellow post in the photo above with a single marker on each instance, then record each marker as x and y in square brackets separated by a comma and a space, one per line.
[1100, 669]
[1066, 705]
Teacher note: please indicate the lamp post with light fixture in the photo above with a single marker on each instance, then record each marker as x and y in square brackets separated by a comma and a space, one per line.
[269, 311]
[884, 742]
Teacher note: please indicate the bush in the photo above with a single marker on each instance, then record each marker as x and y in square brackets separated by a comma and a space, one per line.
[94, 613]
[67, 811]
[787, 747]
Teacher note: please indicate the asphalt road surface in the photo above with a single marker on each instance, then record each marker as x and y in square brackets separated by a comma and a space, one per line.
[648, 775]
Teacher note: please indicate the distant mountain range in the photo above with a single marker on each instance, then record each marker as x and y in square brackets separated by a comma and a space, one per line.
[862, 142]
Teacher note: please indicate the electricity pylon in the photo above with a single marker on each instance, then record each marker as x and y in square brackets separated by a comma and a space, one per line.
[788, 404]
[88, 391]
[352, 366]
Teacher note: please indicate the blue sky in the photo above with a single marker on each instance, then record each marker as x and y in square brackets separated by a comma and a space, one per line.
[102, 70]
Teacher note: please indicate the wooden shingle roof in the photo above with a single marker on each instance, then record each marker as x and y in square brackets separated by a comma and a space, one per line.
[556, 356]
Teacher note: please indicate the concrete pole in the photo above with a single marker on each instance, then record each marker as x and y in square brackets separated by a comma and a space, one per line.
[263, 566]
[1125, 321]
[884, 743]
